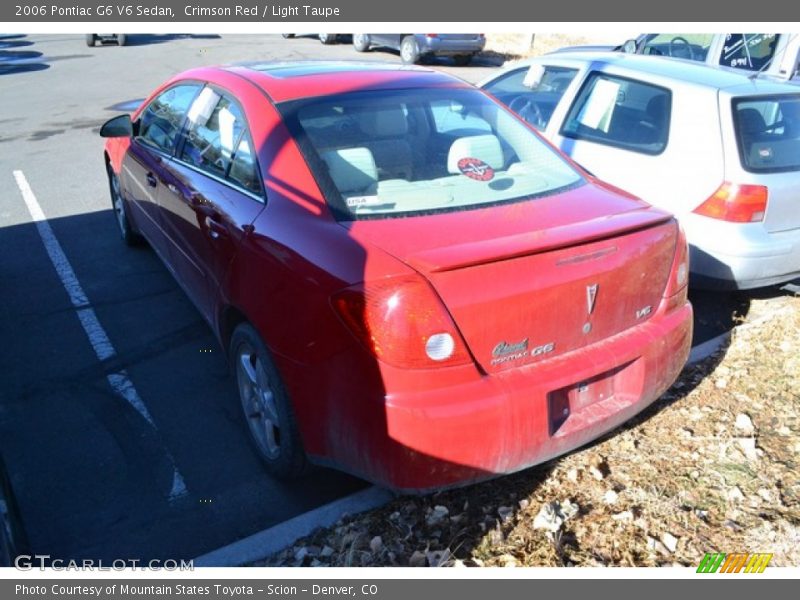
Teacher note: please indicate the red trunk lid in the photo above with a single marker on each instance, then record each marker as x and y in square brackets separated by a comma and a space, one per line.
[539, 278]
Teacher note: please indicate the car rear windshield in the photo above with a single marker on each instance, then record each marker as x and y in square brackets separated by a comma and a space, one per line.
[390, 153]
[768, 133]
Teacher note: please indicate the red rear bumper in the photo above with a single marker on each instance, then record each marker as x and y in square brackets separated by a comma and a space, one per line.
[506, 422]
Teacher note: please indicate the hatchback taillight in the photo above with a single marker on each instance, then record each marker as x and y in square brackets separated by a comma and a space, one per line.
[736, 203]
[402, 322]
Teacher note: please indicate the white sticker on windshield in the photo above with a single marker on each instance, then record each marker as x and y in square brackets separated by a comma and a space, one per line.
[596, 112]
[358, 201]
[534, 76]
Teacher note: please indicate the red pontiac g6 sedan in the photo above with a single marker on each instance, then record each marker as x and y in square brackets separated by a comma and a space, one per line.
[411, 284]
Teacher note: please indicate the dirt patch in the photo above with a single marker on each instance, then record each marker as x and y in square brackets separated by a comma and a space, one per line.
[712, 466]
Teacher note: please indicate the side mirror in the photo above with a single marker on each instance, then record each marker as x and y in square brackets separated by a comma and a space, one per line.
[629, 47]
[120, 126]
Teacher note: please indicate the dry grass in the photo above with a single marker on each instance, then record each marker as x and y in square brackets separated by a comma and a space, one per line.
[688, 476]
[513, 46]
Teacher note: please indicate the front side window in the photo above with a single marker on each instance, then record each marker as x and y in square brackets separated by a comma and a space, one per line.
[621, 112]
[751, 51]
[161, 122]
[768, 133]
[391, 153]
[533, 92]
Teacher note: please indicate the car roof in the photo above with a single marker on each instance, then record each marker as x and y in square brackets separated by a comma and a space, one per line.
[287, 81]
[664, 68]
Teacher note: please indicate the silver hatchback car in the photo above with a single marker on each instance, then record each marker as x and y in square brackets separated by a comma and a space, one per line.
[719, 148]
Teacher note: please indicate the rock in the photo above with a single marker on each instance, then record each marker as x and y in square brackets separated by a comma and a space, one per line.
[507, 560]
[553, 515]
[735, 494]
[625, 515]
[376, 544]
[744, 424]
[326, 552]
[599, 469]
[748, 446]
[316, 563]
[610, 497]
[506, 513]
[783, 430]
[438, 558]
[437, 515]
[701, 514]
[766, 495]
[458, 564]
[657, 546]
[301, 554]
[418, 559]
[670, 541]
[524, 503]
[572, 475]
[721, 383]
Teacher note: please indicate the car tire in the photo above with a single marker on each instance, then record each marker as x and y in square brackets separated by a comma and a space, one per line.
[266, 408]
[462, 60]
[127, 233]
[121, 39]
[409, 51]
[328, 38]
[361, 42]
[287, 36]
[13, 541]
[91, 39]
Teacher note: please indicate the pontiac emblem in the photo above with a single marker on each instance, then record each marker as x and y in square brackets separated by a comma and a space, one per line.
[591, 296]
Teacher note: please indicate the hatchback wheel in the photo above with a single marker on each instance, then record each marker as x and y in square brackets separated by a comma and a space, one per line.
[121, 39]
[266, 406]
[328, 38]
[409, 51]
[361, 42]
[90, 40]
[129, 236]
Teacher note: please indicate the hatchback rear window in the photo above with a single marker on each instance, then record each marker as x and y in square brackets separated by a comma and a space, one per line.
[768, 133]
[392, 153]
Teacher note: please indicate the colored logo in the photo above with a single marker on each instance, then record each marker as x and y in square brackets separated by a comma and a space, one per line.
[476, 169]
[734, 563]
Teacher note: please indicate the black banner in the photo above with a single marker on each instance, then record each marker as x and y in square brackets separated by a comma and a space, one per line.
[358, 11]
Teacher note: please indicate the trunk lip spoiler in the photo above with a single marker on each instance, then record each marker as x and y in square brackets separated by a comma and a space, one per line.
[469, 254]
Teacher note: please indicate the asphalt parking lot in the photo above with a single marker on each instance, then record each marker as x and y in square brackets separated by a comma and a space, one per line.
[165, 471]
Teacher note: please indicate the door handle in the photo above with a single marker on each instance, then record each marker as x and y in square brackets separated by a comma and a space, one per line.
[216, 230]
[151, 180]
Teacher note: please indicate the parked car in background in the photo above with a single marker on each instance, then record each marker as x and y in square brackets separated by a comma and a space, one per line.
[776, 54]
[411, 285]
[325, 38]
[13, 542]
[105, 38]
[414, 47]
[716, 147]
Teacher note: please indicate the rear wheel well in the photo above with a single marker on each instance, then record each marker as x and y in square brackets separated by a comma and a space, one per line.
[231, 318]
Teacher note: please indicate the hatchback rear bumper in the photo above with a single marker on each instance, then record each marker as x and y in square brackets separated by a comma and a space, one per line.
[498, 424]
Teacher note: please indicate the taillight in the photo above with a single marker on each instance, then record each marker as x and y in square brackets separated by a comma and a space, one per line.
[432, 35]
[678, 284]
[402, 322]
[736, 203]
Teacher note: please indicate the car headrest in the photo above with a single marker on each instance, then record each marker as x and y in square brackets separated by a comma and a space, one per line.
[484, 147]
[388, 121]
[352, 169]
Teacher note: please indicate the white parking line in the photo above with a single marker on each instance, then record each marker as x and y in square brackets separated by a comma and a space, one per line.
[119, 382]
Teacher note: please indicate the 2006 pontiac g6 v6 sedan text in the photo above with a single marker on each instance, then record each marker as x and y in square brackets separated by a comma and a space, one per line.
[411, 284]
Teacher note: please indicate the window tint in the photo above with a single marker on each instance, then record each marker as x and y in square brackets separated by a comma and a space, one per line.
[534, 92]
[691, 46]
[621, 112]
[161, 121]
[751, 51]
[378, 154]
[215, 126]
[768, 132]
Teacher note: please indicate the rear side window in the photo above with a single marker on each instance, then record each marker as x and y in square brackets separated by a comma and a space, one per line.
[161, 121]
[217, 140]
[621, 112]
[751, 51]
[533, 92]
[768, 133]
